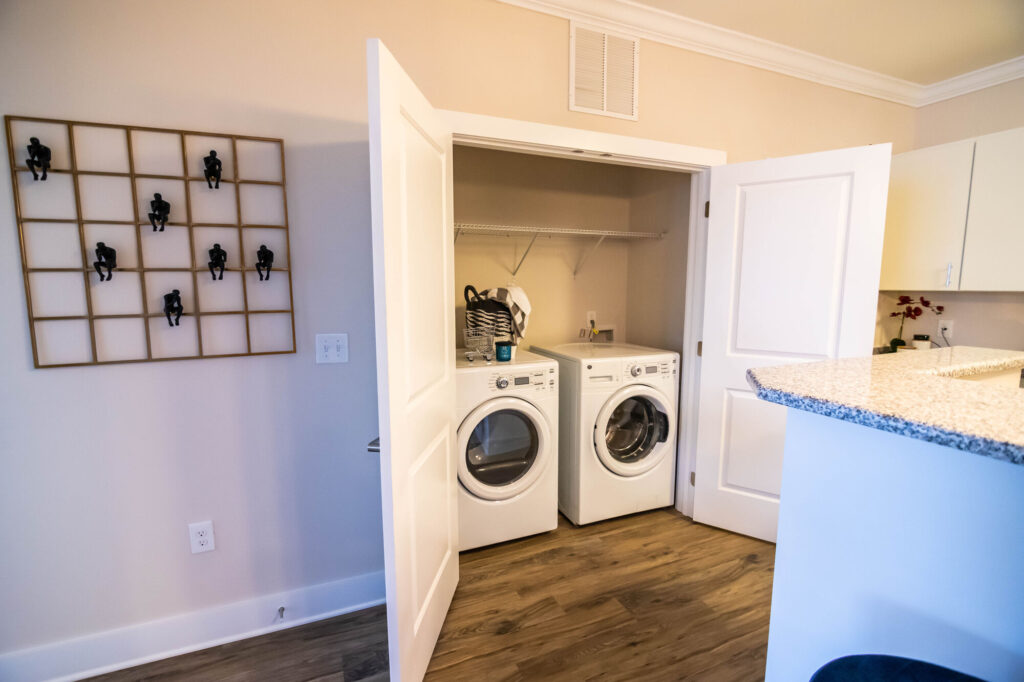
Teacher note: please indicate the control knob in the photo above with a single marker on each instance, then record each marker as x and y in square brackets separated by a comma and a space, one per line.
[636, 370]
[502, 382]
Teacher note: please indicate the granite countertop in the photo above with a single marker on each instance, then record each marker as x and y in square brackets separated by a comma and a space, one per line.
[913, 393]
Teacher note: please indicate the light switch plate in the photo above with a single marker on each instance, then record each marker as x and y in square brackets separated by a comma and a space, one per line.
[331, 348]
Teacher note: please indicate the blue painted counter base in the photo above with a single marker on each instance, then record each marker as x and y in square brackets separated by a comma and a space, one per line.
[894, 545]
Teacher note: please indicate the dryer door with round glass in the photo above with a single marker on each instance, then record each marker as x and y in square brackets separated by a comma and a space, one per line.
[504, 446]
[634, 430]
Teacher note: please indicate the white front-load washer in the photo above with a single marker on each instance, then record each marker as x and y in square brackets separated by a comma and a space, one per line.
[507, 448]
[617, 412]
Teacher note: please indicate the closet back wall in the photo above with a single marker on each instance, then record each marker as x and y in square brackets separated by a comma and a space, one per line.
[635, 287]
[504, 188]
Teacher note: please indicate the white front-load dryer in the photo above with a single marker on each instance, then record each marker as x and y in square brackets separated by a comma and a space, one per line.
[617, 412]
[507, 448]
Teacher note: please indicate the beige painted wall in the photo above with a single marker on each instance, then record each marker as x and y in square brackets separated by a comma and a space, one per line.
[986, 111]
[289, 486]
[491, 58]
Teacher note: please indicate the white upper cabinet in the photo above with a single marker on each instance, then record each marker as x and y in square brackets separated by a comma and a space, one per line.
[956, 217]
[926, 217]
[994, 248]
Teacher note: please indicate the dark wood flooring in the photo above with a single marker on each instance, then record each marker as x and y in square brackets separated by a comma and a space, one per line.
[648, 597]
[342, 649]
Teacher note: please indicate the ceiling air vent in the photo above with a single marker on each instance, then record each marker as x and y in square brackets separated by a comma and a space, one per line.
[603, 72]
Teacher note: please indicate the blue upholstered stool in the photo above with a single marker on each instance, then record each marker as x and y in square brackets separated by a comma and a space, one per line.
[876, 668]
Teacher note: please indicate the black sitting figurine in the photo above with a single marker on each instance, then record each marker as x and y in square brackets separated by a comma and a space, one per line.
[38, 158]
[264, 261]
[106, 257]
[211, 169]
[160, 210]
[218, 257]
[172, 306]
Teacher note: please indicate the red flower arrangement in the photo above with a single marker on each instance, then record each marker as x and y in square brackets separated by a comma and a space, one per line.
[911, 311]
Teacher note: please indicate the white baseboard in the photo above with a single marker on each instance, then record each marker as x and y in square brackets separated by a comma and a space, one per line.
[124, 647]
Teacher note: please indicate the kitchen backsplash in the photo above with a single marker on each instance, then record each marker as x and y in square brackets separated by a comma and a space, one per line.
[990, 320]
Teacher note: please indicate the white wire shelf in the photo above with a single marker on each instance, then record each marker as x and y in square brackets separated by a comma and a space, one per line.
[536, 231]
[479, 228]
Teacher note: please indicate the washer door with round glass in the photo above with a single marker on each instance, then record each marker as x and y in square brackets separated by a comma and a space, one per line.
[634, 430]
[504, 447]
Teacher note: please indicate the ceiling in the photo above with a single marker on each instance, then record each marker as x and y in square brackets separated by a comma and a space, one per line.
[922, 41]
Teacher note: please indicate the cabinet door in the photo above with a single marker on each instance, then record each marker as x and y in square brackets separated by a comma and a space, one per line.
[926, 217]
[994, 248]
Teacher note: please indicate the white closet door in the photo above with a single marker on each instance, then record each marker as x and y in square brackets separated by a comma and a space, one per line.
[411, 202]
[793, 259]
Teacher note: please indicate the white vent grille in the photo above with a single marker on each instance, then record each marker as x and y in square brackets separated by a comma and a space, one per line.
[603, 71]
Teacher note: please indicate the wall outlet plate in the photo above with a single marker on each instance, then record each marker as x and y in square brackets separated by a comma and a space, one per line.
[945, 330]
[200, 534]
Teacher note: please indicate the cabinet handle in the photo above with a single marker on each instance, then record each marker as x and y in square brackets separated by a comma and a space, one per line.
[949, 274]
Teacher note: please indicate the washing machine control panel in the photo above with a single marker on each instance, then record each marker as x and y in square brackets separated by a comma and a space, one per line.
[533, 381]
[654, 369]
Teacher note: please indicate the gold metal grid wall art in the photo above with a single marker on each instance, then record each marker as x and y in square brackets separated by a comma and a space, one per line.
[99, 187]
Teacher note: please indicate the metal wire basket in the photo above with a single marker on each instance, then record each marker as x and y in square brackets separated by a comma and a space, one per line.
[479, 341]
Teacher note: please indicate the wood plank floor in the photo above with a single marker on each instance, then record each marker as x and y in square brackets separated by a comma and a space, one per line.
[342, 649]
[647, 597]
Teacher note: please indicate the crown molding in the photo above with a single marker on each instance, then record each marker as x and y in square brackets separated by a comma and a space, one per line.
[980, 79]
[642, 21]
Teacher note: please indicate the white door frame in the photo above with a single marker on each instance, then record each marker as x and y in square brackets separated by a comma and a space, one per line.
[491, 132]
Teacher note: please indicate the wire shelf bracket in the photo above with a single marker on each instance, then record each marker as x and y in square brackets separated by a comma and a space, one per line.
[586, 255]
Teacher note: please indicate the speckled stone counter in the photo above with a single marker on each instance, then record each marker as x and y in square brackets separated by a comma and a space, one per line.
[914, 393]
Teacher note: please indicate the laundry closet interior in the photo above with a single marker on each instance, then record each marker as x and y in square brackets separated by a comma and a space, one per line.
[636, 287]
[596, 245]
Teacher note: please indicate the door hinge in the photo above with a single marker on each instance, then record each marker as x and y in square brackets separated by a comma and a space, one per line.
[693, 478]
[707, 209]
[700, 348]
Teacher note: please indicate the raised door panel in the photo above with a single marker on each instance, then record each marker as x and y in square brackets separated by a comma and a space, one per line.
[994, 247]
[926, 217]
[800, 256]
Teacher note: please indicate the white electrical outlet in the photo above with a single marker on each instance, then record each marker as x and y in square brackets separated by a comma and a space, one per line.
[946, 331]
[201, 536]
[331, 348]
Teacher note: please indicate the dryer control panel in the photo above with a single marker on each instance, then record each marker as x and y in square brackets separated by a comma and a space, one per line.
[654, 368]
[525, 381]
[602, 374]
